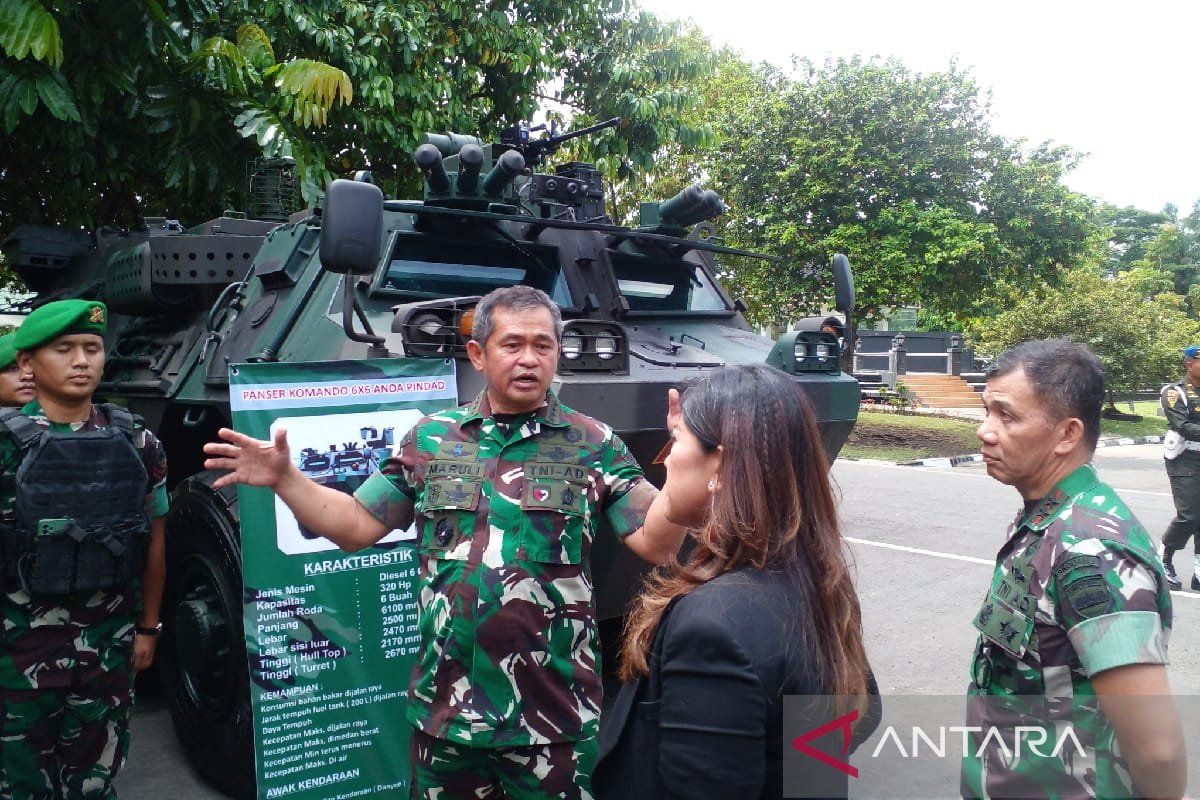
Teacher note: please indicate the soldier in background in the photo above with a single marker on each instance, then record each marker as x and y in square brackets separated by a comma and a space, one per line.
[1073, 630]
[82, 499]
[507, 492]
[16, 384]
[1181, 452]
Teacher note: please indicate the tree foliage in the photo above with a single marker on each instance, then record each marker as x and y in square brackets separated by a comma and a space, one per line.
[900, 171]
[1138, 336]
[651, 74]
[114, 108]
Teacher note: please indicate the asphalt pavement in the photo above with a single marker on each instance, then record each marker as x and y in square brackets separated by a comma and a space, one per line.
[923, 540]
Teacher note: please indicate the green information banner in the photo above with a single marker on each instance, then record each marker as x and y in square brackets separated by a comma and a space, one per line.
[330, 636]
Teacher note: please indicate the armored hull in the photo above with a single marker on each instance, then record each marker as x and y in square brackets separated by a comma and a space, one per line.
[644, 312]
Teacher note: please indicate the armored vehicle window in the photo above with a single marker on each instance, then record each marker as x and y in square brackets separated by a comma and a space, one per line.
[651, 284]
[425, 267]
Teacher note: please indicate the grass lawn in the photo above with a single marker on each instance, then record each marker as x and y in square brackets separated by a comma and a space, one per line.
[896, 437]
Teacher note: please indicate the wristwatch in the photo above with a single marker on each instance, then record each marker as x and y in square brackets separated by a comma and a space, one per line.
[142, 630]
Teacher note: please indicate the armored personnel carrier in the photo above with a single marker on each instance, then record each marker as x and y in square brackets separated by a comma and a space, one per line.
[366, 276]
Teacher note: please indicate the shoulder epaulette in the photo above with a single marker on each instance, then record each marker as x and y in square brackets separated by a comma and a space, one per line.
[23, 429]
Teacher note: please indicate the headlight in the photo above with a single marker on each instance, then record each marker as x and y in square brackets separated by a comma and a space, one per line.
[593, 346]
[805, 351]
[572, 346]
[606, 346]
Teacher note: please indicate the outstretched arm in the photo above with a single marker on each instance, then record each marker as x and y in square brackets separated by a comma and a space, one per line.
[325, 511]
[659, 539]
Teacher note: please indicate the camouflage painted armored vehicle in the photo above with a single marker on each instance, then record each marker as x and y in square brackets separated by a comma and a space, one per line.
[372, 277]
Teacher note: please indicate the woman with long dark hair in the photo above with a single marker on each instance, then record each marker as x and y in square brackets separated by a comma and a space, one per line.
[763, 607]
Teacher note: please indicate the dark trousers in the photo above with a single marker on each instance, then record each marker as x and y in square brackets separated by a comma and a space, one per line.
[1185, 489]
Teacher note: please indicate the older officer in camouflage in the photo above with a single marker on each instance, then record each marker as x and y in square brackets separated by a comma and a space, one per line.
[1078, 614]
[507, 491]
[82, 499]
[1181, 449]
[16, 384]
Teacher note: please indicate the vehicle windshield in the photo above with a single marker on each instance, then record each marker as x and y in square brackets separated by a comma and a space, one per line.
[427, 268]
[651, 284]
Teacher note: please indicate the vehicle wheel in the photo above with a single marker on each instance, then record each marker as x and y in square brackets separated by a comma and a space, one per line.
[203, 654]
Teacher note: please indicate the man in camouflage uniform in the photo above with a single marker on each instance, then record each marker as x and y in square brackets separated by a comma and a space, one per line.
[1078, 613]
[67, 659]
[507, 491]
[16, 385]
[1181, 448]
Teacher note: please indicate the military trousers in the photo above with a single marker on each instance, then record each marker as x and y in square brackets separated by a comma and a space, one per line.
[1185, 489]
[443, 770]
[65, 743]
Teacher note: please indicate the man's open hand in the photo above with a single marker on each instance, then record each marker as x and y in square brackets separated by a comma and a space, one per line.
[248, 460]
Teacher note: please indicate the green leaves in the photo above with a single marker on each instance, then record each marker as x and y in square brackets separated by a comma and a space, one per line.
[897, 169]
[254, 46]
[1138, 338]
[111, 109]
[314, 86]
[28, 29]
[56, 96]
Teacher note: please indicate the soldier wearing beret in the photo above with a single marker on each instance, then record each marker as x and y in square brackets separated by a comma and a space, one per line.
[16, 384]
[1073, 629]
[507, 492]
[1181, 452]
[82, 500]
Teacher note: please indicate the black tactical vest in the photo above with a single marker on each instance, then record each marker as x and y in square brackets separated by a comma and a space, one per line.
[81, 521]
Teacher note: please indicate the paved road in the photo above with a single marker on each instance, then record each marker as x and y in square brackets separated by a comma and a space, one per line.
[923, 541]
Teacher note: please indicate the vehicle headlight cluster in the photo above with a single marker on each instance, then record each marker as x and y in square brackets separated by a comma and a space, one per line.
[588, 346]
[806, 351]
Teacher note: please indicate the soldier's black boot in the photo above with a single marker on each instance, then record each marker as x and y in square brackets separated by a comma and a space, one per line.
[1196, 575]
[1173, 581]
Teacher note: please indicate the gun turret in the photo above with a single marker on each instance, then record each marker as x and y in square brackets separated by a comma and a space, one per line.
[535, 150]
[459, 172]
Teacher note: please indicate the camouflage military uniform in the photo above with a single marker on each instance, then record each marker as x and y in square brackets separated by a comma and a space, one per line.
[66, 680]
[1181, 404]
[510, 654]
[1077, 590]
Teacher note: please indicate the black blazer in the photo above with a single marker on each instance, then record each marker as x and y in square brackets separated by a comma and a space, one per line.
[729, 651]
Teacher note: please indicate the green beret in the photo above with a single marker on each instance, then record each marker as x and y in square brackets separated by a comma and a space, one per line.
[60, 318]
[8, 351]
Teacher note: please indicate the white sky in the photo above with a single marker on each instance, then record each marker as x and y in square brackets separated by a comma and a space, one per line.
[1116, 81]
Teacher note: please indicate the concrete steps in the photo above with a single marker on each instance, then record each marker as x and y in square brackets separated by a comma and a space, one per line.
[940, 391]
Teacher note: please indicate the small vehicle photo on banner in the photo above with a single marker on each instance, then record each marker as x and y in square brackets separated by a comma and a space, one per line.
[330, 635]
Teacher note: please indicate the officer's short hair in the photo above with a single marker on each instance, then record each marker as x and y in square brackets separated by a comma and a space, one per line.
[1066, 377]
[512, 298]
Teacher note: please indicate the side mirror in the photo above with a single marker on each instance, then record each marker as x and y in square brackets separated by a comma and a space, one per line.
[843, 284]
[351, 220]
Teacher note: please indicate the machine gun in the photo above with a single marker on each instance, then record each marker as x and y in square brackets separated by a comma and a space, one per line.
[535, 150]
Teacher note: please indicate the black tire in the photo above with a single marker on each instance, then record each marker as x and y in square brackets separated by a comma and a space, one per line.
[203, 655]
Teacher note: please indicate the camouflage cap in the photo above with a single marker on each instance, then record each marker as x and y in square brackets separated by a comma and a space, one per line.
[8, 351]
[60, 318]
[1191, 351]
